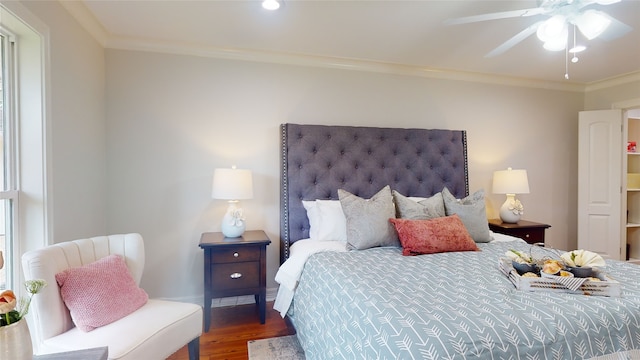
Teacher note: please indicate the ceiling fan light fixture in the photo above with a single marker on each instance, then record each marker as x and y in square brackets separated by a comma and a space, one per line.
[552, 28]
[555, 44]
[592, 23]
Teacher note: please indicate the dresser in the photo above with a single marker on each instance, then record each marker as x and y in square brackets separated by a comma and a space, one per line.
[234, 267]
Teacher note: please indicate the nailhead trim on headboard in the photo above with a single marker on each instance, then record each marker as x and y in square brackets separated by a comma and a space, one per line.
[317, 160]
[284, 195]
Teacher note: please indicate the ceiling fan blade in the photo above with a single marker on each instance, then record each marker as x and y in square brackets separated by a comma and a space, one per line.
[495, 16]
[615, 30]
[514, 40]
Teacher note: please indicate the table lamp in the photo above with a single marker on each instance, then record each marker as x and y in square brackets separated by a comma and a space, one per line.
[511, 182]
[232, 185]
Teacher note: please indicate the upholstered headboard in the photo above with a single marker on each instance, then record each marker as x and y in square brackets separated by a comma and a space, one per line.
[318, 160]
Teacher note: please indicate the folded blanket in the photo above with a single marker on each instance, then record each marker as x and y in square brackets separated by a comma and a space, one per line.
[290, 271]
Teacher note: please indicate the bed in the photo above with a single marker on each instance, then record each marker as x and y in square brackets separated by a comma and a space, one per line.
[373, 302]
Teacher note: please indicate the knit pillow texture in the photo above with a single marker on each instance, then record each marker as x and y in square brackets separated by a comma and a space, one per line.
[100, 293]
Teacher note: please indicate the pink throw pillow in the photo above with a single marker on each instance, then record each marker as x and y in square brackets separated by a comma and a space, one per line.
[100, 293]
[443, 234]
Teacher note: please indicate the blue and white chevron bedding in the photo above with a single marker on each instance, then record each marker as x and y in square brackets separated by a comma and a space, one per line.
[378, 304]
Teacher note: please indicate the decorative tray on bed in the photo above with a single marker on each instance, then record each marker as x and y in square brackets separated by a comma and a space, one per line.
[605, 287]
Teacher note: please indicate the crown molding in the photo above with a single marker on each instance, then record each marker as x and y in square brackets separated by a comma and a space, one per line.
[79, 11]
[614, 81]
[179, 48]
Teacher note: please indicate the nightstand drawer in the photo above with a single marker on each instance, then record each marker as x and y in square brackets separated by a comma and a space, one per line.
[236, 254]
[529, 231]
[529, 235]
[236, 276]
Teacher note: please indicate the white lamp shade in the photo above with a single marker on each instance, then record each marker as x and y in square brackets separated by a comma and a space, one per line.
[510, 182]
[232, 184]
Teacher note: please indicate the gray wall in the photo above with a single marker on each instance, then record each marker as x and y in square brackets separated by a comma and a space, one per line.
[172, 119]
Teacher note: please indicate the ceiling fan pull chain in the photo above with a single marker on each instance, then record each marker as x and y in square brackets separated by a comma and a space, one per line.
[574, 49]
[566, 62]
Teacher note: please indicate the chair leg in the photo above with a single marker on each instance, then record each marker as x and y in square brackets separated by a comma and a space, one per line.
[194, 349]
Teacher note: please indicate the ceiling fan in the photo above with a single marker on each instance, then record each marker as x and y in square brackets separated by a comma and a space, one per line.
[561, 16]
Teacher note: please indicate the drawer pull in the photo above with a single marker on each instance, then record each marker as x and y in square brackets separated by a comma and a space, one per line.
[235, 276]
[235, 254]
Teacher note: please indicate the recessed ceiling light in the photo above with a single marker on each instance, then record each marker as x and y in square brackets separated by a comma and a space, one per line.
[271, 4]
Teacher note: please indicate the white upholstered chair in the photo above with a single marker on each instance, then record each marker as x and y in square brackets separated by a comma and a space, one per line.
[153, 332]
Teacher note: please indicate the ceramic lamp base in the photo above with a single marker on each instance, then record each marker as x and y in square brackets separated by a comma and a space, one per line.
[233, 224]
[232, 231]
[507, 210]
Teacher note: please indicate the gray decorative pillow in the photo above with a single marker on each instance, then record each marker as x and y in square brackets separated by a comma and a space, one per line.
[471, 211]
[368, 222]
[429, 208]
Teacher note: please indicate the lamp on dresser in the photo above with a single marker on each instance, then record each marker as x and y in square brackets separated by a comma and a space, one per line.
[232, 185]
[511, 182]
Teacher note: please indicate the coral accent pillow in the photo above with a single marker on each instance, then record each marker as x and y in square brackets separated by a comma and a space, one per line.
[444, 234]
[100, 293]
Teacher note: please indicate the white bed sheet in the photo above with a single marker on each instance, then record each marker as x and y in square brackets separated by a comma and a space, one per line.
[289, 272]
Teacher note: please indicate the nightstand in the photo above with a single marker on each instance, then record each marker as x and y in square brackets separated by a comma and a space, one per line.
[529, 231]
[234, 267]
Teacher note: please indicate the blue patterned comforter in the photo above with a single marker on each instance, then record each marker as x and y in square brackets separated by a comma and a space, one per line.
[378, 304]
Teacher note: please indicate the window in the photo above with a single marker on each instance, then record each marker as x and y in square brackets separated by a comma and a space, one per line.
[8, 190]
[23, 163]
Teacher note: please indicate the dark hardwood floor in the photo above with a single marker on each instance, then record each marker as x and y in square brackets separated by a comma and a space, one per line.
[232, 327]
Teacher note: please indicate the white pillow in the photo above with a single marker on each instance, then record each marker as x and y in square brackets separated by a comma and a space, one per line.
[313, 216]
[326, 220]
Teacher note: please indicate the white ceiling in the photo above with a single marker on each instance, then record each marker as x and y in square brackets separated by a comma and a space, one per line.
[408, 33]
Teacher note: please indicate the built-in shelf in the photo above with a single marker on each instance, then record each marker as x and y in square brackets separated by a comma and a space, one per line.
[631, 165]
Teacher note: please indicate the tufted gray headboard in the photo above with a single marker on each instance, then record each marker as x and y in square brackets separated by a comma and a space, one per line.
[318, 160]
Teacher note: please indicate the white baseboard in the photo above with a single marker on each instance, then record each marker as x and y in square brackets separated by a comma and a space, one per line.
[230, 301]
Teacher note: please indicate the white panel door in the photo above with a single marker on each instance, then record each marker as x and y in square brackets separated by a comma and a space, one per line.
[600, 153]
